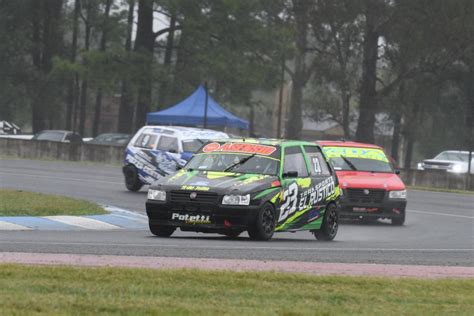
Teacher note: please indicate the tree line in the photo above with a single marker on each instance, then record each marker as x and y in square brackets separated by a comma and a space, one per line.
[346, 60]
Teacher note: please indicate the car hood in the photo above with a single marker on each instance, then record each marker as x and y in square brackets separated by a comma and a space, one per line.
[444, 162]
[369, 180]
[220, 182]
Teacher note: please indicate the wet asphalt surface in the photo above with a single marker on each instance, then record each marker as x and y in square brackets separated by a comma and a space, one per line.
[439, 229]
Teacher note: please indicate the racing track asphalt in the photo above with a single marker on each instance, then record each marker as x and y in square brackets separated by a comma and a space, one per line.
[439, 228]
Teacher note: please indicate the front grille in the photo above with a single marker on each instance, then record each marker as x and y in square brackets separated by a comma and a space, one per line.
[178, 196]
[437, 165]
[360, 196]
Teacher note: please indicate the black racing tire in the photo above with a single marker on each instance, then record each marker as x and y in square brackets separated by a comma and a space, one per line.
[265, 223]
[162, 231]
[131, 178]
[399, 221]
[328, 230]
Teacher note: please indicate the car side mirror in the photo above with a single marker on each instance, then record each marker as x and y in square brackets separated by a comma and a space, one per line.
[290, 174]
[397, 171]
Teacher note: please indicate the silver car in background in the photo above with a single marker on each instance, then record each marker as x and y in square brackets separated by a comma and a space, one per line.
[453, 161]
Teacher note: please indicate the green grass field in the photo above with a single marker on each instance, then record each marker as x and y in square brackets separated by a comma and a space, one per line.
[21, 203]
[88, 291]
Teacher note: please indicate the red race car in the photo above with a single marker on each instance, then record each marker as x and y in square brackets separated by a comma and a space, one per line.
[370, 186]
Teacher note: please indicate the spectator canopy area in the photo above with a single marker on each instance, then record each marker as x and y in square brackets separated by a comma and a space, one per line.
[192, 112]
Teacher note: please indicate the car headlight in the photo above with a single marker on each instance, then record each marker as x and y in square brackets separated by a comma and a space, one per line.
[236, 199]
[402, 194]
[456, 168]
[157, 195]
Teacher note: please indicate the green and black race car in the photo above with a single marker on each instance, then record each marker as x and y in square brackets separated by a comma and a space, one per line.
[259, 186]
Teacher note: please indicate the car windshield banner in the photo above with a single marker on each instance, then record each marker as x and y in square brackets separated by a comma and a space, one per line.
[355, 152]
[245, 148]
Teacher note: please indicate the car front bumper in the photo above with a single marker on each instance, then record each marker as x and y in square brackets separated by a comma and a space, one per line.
[211, 218]
[387, 208]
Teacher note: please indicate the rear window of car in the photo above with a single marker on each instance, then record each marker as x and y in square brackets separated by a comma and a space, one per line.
[318, 164]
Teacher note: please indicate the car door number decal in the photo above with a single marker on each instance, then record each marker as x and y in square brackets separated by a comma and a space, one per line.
[309, 197]
[290, 201]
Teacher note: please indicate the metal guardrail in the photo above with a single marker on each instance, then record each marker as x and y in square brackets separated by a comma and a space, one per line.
[437, 179]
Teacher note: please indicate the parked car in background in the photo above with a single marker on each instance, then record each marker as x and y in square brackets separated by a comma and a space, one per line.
[58, 136]
[453, 161]
[9, 128]
[156, 151]
[371, 188]
[111, 139]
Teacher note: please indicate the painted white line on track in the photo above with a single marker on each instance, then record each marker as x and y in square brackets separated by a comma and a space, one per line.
[156, 246]
[82, 222]
[11, 226]
[60, 178]
[440, 214]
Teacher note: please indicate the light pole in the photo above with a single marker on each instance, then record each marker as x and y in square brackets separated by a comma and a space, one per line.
[205, 104]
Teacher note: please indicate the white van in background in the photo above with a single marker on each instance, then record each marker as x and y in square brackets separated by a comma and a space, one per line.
[156, 151]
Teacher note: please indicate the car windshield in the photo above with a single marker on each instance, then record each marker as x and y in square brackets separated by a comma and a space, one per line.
[454, 156]
[360, 159]
[53, 136]
[192, 145]
[361, 164]
[233, 162]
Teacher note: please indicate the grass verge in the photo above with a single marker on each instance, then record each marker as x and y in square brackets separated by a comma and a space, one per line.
[412, 187]
[21, 203]
[90, 291]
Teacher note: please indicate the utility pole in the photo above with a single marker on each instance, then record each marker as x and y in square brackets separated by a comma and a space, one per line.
[205, 104]
[280, 98]
[469, 168]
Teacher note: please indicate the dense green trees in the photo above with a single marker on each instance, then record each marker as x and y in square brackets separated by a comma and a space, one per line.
[346, 60]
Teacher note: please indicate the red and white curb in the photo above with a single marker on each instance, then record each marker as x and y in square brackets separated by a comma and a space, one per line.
[315, 268]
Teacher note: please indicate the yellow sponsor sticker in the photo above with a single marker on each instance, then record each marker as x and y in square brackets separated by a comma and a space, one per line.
[355, 152]
[194, 188]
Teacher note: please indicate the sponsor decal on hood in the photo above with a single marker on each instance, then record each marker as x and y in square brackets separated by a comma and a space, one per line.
[240, 148]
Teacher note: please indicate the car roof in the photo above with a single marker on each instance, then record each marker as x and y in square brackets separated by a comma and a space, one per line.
[455, 151]
[267, 141]
[185, 132]
[341, 143]
[55, 131]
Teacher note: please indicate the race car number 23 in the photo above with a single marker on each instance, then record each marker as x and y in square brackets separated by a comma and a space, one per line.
[290, 202]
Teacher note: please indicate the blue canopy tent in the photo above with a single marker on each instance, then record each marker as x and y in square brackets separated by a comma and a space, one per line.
[192, 112]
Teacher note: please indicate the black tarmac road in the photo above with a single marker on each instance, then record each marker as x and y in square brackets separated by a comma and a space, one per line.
[439, 228]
